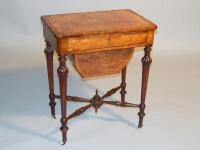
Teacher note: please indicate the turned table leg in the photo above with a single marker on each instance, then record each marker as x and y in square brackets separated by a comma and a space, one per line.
[63, 73]
[49, 59]
[123, 85]
[146, 61]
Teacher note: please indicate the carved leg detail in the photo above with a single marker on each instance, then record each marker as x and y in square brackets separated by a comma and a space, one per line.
[49, 59]
[146, 61]
[63, 73]
[123, 86]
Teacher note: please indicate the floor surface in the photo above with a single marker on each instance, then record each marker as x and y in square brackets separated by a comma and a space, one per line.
[172, 114]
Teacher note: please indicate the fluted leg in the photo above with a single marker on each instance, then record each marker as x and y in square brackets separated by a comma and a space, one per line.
[146, 61]
[63, 73]
[49, 59]
[123, 85]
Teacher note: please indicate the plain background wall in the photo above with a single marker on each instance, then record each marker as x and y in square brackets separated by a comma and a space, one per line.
[172, 113]
[178, 20]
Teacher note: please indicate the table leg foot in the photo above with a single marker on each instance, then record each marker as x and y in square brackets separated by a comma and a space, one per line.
[64, 130]
[141, 115]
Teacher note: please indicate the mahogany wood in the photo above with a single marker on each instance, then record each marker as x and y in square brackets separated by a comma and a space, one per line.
[74, 98]
[123, 86]
[49, 58]
[96, 101]
[146, 61]
[111, 92]
[79, 111]
[63, 73]
[77, 99]
[121, 104]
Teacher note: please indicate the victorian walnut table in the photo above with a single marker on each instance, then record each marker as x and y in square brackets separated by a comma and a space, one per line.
[100, 43]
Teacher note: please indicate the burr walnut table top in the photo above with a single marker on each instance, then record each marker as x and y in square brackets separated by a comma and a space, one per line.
[97, 31]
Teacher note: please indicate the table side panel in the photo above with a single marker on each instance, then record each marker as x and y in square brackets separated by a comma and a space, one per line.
[97, 42]
[106, 42]
[91, 42]
[127, 39]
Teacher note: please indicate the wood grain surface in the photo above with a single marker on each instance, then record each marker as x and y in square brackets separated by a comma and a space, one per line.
[101, 22]
[97, 31]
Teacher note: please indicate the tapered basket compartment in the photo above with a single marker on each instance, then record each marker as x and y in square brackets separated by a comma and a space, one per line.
[101, 63]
